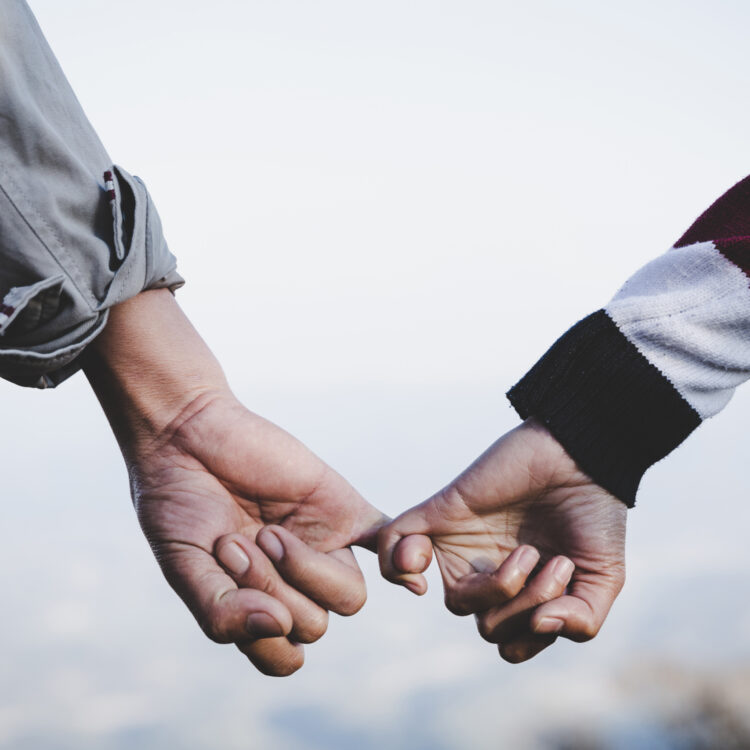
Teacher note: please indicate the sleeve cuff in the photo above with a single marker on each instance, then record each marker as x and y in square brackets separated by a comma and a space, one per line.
[609, 407]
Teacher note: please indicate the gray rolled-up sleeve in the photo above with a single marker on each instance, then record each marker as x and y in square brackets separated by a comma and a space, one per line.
[78, 234]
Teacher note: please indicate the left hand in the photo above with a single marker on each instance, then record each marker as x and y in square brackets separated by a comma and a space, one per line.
[523, 504]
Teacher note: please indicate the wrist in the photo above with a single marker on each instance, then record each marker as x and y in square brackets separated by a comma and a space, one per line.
[606, 404]
[150, 369]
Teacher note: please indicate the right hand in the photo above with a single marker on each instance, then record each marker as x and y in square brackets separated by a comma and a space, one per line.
[228, 485]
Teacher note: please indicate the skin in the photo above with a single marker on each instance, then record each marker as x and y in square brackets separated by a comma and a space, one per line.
[525, 541]
[250, 528]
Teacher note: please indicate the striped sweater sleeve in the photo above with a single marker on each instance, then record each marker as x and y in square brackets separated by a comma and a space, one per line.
[626, 385]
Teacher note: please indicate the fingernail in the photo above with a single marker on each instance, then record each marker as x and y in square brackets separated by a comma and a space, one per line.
[262, 625]
[272, 546]
[563, 570]
[549, 625]
[528, 558]
[421, 562]
[234, 559]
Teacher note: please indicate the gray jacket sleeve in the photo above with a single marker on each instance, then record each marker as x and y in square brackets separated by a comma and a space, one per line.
[77, 233]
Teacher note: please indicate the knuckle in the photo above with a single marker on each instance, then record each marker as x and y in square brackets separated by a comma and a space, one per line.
[315, 628]
[455, 605]
[264, 581]
[505, 584]
[512, 653]
[352, 602]
[215, 628]
[546, 593]
[274, 657]
[587, 631]
[282, 667]
[591, 630]
[486, 628]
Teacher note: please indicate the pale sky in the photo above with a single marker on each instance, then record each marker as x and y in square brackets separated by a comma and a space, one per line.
[381, 190]
[385, 212]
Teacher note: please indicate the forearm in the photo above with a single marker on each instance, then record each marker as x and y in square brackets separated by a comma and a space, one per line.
[150, 368]
[624, 387]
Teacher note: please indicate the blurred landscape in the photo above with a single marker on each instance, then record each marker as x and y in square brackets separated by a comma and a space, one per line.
[385, 212]
[99, 653]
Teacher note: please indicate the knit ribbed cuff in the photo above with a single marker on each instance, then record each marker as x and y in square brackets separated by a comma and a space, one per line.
[609, 407]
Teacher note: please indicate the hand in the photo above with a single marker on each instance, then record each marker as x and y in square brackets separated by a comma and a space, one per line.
[213, 483]
[210, 479]
[523, 505]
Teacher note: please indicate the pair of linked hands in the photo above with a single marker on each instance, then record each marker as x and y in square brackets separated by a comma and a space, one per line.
[254, 532]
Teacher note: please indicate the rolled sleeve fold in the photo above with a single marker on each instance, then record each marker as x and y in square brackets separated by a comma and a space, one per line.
[78, 234]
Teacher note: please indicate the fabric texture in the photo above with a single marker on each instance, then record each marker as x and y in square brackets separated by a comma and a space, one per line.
[627, 385]
[77, 233]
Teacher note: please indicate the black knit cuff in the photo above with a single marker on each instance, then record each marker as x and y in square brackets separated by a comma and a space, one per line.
[609, 407]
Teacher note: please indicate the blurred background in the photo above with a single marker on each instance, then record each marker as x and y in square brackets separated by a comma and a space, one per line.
[385, 213]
